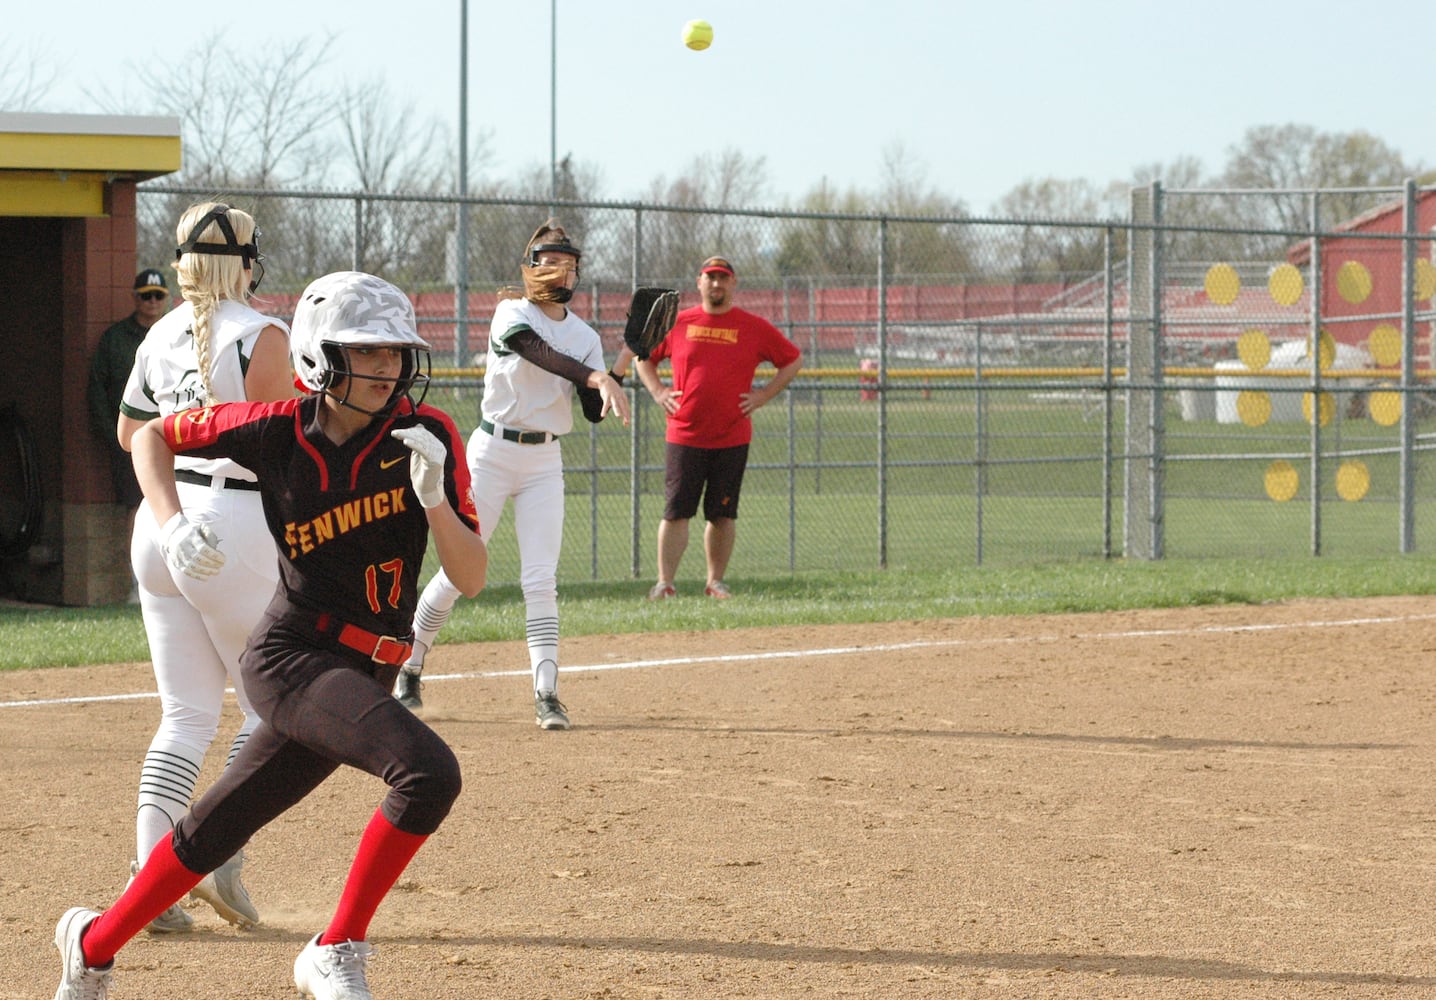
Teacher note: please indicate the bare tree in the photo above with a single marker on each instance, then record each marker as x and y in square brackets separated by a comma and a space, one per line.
[675, 242]
[1300, 158]
[258, 122]
[24, 78]
[935, 249]
[389, 148]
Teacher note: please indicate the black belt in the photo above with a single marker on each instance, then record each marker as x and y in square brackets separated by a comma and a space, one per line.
[387, 649]
[521, 437]
[200, 479]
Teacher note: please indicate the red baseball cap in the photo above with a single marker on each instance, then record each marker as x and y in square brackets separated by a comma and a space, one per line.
[719, 264]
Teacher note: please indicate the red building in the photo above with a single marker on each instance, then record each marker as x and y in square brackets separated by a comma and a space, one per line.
[1361, 274]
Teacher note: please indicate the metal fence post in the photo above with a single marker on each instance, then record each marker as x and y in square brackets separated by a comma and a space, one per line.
[1142, 535]
[1407, 477]
[818, 391]
[882, 469]
[636, 437]
[1314, 436]
[792, 480]
[358, 257]
[461, 286]
[979, 451]
[1108, 392]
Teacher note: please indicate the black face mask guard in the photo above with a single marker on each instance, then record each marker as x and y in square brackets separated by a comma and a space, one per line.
[415, 375]
[231, 247]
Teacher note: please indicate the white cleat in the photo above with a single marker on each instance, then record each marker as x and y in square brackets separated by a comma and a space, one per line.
[333, 971]
[223, 890]
[77, 980]
[173, 921]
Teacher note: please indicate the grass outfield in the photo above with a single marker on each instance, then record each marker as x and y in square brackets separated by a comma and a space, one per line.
[53, 637]
[1025, 535]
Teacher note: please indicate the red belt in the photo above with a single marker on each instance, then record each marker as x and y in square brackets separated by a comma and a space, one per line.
[386, 649]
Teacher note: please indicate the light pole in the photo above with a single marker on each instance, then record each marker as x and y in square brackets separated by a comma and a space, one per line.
[552, 104]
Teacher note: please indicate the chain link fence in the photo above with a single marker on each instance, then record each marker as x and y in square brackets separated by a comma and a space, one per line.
[1223, 373]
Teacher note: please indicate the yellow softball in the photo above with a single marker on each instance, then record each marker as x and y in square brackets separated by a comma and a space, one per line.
[698, 35]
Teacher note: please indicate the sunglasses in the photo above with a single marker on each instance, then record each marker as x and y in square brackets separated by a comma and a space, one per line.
[154, 296]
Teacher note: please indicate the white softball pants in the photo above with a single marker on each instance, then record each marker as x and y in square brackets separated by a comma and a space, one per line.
[196, 631]
[531, 475]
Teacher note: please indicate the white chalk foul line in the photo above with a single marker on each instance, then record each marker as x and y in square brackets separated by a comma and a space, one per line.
[791, 654]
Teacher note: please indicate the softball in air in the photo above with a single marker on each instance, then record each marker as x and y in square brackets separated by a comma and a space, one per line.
[698, 35]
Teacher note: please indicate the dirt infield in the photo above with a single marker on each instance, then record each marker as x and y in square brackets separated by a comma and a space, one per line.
[1213, 802]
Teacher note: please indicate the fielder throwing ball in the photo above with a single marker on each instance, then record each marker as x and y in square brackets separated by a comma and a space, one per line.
[354, 479]
[539, 353]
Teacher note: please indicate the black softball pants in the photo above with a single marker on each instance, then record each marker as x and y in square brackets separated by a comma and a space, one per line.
[320, 708]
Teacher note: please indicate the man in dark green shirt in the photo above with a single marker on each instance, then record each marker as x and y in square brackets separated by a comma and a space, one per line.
[110, 369]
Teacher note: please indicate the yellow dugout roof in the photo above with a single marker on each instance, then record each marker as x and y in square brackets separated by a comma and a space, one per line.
[58, 165]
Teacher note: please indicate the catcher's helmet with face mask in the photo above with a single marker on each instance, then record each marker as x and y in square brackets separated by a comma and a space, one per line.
[351, 309]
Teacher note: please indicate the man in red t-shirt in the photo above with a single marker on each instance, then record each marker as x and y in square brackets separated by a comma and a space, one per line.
[714, 348]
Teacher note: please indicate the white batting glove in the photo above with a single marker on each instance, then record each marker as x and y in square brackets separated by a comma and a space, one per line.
[426, 464]
[189, 548]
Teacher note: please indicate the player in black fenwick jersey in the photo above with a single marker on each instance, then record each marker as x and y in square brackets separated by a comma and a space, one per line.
[354, 477]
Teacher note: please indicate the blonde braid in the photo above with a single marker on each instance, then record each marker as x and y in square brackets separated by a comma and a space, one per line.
[204, 302]
[207, 279]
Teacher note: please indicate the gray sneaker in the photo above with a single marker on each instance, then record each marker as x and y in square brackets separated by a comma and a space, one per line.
[173, 921]
[549, 712]
[77, 980]
[407, 687]
[223, 890]
[333, 971]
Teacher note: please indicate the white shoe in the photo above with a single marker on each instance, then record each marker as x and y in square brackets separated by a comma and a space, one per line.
[173, 921]
[223, 890]
[77, 980]
[333, 971]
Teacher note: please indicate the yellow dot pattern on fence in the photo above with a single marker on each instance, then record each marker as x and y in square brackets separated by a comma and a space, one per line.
[1352, 480]
[1254, 349]
[1281, 480]
[1222, 284]
[1253, 407]
[1353, 282]
[1384, 408]
[1326, 408]
[1284, 284]
[1383, 343]
[1425, 280]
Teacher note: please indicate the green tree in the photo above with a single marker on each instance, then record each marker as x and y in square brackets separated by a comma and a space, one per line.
[1057, 236]
[839, 238]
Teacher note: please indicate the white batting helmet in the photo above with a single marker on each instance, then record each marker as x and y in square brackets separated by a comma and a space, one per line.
[353, 309]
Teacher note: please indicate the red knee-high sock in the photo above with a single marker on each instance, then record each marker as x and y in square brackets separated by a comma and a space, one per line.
[160, 883]
[384, 852]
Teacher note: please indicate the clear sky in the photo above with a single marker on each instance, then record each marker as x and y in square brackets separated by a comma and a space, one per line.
[981, 96]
